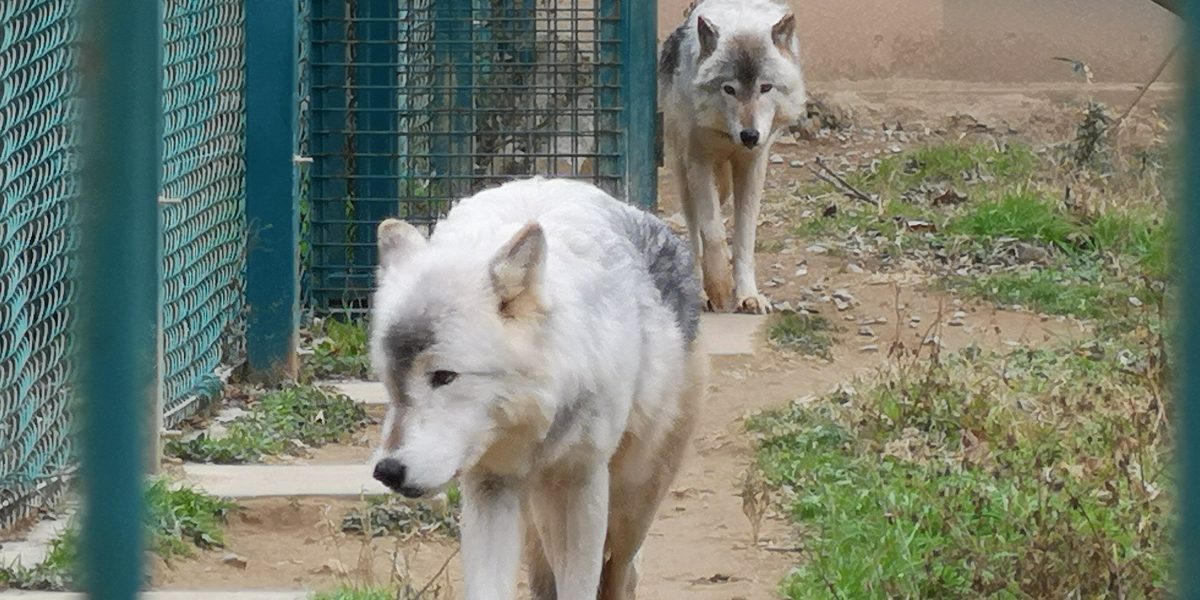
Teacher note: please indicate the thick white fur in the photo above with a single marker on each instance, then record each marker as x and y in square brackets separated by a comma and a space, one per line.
[703, 125]
[596, 349]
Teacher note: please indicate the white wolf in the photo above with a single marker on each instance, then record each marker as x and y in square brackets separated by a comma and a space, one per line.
[541, 346]
[729, 81]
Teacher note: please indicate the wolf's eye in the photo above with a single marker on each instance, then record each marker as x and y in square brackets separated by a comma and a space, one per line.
[766, 87]
[729, 90]
[439, 378]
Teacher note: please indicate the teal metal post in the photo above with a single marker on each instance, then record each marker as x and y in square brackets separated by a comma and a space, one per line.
[119, 273]
[1189, 331]
[639, 59]
[610, 122]
[272, 211]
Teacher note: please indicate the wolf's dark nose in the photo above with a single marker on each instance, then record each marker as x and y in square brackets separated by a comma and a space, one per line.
[749, 138]
[390, 472]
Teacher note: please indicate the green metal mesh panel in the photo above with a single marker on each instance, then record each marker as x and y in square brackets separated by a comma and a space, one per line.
[204, 242]
[416, 103]
[37, 145]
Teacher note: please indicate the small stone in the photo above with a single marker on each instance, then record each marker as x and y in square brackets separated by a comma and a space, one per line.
[841, 305]
[895, 149]
[914, 320]
[869, 348]
[784, 306]
[849, 318]
[817, 249]
[234, 560]
[958, 314]
[866, 332]
[776, 159]
[1135, 301]
[797, 163]
[843, 294]
[854, 268]
[802, 271]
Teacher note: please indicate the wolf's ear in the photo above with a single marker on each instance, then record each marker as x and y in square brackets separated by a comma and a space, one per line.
[397, 240]
[708, 37]
[783, 31]
[517, 272]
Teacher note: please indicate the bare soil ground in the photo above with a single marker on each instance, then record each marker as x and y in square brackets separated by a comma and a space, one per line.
[701, 545]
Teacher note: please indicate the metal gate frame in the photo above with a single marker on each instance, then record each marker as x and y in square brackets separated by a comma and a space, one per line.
[396, 109]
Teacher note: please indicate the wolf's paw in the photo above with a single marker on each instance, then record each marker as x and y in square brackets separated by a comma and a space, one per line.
[754, 305]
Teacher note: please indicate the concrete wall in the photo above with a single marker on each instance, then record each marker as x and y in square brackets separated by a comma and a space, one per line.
[974, 40]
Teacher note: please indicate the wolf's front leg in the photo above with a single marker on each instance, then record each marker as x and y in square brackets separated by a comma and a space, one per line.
[586, 527]
[491, 537]
[571, 513]
[714, 252]
[749, 177]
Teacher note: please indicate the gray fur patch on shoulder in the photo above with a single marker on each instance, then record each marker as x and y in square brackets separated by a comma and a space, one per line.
[671, 267]
[668, 60]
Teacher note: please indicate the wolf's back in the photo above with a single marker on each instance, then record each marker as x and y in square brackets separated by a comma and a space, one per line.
[671, 267]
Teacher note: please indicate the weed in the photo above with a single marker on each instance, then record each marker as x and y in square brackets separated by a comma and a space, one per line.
[286, 421]
[809, 334]
[340, 351]
[1052, 291]
[390, 515]
[177, 521]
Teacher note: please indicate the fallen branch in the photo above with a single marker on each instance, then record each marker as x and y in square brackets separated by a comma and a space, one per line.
[1158, 73]
[824, 173]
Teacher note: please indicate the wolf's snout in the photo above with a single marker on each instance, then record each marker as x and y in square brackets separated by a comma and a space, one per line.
[749, 138]
[391, 472]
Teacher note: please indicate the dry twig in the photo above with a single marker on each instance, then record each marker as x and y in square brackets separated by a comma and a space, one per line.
[824, 173]
[1146, 88]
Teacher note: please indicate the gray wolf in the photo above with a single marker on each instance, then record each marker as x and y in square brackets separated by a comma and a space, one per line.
[540, 346]
[729, 81]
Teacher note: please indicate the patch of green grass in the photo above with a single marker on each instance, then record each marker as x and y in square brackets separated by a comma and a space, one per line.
[178, 520]
[391, 515]
[1037, 473]
[402, 592]
[805, 333]
[340, 351]
[956, 164]
[1024, 214]
[281, 422]
[1144, 238]
[1055, 291]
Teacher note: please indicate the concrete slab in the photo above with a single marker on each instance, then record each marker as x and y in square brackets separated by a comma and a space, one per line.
[260, 481]
[168, 595]
[31, 550]
[729, 334]
[363, 392]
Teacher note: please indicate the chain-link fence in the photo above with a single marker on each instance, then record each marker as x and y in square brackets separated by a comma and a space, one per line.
[203, 226]
[203, 222]
[38, 189]
[402, 107]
